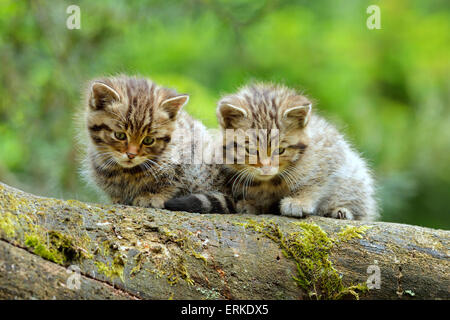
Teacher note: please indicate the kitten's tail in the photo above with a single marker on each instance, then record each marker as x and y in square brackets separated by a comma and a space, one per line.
[209, 202]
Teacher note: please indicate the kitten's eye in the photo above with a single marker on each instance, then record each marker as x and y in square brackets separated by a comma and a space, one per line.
[120, 135]
[148, 141]
[281, 151]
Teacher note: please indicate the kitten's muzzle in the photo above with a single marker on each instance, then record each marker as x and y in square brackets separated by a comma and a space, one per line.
[131, 155]
[268, 170]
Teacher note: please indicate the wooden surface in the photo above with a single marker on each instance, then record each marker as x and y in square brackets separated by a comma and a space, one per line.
[125, 252]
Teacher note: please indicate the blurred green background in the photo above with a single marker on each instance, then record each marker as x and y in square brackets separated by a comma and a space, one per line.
[387, 89]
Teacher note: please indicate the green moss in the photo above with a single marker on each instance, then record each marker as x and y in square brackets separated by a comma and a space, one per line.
[112, 269]
[7, 224]
[180, 272]
[352, 232]
[181, 269]
[139, 260]
[177, 268]
[41, 249]
[197, 255]
[54, 246]
[310, 248]
[172, 278]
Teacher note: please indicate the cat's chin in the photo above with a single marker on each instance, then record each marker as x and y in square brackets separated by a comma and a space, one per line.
[128, 164]
[266, 177]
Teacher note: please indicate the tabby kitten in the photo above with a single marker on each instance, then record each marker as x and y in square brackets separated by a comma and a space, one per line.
[131, 123]
[311, 170]
[139, 145]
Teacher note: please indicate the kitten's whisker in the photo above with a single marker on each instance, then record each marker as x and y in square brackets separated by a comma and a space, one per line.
[160, 169]
[287, 180]
[247, 182]
[251, 180]
[295, 173]
[291, 178]
[243, 183]
[108, 163]
[287, 177]
[149, 169]
[294, 178]
[234, 175]
[236, 182]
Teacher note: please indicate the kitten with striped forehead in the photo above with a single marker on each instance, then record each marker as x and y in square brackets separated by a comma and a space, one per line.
[309, 169]
[140, 143]
[131, 124]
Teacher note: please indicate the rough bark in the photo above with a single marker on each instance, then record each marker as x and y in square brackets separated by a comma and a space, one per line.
[126, 252]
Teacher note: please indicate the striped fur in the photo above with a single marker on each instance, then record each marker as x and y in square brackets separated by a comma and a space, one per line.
[318, 173]
[140, 108]
[208, 202]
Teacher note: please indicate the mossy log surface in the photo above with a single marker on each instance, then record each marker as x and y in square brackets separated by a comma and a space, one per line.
[124, 252]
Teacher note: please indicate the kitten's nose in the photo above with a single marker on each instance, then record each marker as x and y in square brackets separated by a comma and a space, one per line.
[132, 150]
[131, 155]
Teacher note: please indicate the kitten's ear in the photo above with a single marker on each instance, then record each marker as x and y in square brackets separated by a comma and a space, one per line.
[102, 95]
[299, 114]
[173, 105]
[230, 115]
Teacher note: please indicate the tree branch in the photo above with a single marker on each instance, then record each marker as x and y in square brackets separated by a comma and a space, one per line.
[128, 252]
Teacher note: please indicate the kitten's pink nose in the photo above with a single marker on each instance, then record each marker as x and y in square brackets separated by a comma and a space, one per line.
[132, 151]
[131, 155]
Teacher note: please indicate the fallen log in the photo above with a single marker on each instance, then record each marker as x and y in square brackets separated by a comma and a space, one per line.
[55, 249]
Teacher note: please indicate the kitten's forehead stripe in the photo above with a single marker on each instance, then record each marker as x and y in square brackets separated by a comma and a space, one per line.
[264, 102]
[100, 127]
[137, 113]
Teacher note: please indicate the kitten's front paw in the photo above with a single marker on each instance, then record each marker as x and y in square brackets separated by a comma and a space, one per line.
[342, 213]
[243, 206]
[292, 207]
[150, 201]
[157, 202]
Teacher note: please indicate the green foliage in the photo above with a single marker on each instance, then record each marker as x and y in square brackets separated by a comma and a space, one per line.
[387, 89]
